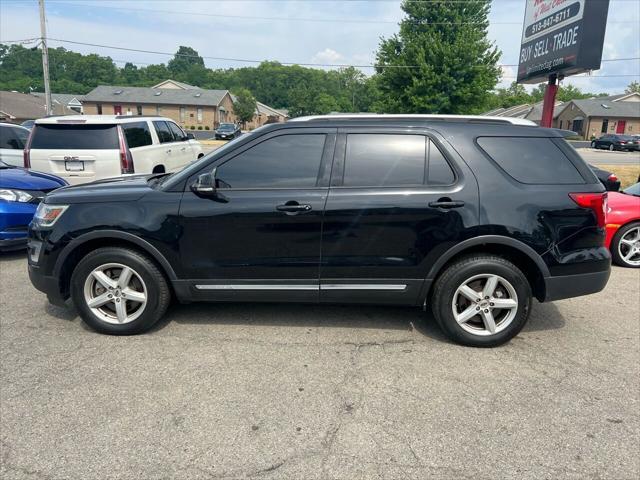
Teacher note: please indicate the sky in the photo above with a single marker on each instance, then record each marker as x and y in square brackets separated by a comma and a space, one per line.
[299, 31]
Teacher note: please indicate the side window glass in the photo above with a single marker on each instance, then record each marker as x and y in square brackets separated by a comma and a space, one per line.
[22, 136]
[287, 161]
[8, 140]
[377, 160]
[440, 172]
[178, 134]
[162, 129]
[137, 134]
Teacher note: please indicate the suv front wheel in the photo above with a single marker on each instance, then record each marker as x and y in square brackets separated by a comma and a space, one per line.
[119, 291]
[482, 301]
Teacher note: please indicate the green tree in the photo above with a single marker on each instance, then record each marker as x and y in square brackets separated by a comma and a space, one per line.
[633, 87]
[441, 61]
[244, 105]
[184, 58]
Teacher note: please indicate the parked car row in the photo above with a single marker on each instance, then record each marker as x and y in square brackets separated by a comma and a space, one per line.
[617, 142]
[58, 151]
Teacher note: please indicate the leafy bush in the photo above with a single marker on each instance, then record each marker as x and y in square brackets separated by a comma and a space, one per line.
[206, 127]
[199, 127]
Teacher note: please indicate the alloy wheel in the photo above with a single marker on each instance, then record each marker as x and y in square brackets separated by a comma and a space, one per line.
[485, 304]
[629, 247]
[115, 293]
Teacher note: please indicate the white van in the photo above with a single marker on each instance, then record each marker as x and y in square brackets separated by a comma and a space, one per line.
[84, 148]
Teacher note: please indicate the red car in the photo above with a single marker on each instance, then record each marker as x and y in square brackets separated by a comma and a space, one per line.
[623, 226]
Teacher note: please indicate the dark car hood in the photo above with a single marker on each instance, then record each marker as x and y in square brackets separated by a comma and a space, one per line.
[22, 179]
[120, 189]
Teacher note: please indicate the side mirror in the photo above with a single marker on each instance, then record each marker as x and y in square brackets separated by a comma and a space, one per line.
[205, 184]
[190, 136]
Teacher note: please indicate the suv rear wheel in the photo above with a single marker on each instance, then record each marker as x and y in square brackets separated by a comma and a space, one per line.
[119, 291]
[482, 301]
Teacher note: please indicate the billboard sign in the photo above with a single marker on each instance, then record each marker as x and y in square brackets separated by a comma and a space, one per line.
[564, 37]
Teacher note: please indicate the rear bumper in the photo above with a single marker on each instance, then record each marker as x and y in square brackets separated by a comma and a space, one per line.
[568, 286]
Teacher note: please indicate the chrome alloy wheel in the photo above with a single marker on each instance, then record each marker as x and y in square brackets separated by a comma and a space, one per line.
[629, 247]
[115, 293]
[485, 304]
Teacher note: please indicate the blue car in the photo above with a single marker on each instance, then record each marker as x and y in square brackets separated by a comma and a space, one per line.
[20, 192]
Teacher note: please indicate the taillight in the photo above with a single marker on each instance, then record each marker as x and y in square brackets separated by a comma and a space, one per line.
[126, 160]
[26, 153]
[595, 201]
[612, 178]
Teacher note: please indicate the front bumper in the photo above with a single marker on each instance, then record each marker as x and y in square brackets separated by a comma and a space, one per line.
[46, 284]
[569, 286]
[9, 244]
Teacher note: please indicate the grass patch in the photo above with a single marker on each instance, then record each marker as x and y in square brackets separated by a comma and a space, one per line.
[628, 174]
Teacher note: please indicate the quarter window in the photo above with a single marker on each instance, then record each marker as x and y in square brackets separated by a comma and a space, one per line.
[137, 134]
[531, 160]
[287, 161]
[163, 131]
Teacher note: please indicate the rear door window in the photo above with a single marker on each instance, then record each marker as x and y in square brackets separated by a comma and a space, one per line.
[77, 137]
[137, 134]
[164, 132]
[383, 160]
[531, 160]
[440, 172]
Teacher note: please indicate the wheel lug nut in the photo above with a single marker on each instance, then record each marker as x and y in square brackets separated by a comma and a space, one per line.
[486, 311]
[109, 296]
[477, 308]
[491, 304]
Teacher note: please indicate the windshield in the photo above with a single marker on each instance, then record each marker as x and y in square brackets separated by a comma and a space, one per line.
[226, 126]
[625, 137]
[633, 190]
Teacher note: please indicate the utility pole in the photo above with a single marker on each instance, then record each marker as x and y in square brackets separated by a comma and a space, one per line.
[45, 57]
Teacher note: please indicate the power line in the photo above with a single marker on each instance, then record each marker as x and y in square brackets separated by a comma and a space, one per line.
[35, 39]
[296, 19]
[244, 60]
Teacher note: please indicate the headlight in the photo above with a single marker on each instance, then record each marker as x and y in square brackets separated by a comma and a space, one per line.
[47, 215]
[15, 196]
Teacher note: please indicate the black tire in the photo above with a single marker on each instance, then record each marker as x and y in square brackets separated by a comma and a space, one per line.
[157, 290]
[456, 275]
[615, 243]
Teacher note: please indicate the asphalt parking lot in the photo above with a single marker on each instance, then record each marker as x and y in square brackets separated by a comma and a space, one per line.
[318, 392]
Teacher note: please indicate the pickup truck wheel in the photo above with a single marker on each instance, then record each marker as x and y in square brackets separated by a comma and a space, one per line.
[119, 291]
[482, 301]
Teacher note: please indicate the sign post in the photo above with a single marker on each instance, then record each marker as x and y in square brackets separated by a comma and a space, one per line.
[560, 38]
[549, 101]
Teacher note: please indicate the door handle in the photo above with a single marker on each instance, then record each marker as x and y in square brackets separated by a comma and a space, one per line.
[446, 203]
[293, 208]
[169, 151]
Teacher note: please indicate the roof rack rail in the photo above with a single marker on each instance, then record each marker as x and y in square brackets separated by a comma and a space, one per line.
[417, 116]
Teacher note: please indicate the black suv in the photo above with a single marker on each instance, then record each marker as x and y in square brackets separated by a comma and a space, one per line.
[470, 216]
